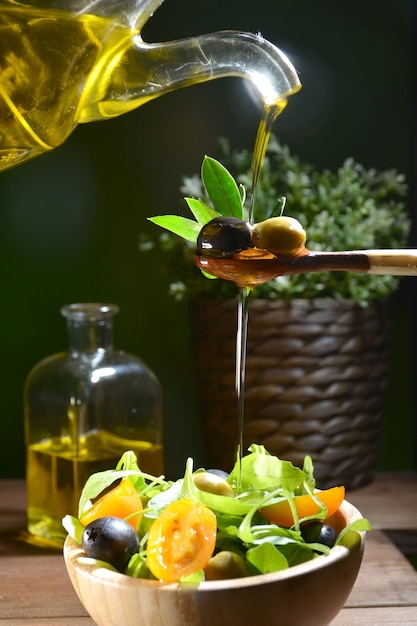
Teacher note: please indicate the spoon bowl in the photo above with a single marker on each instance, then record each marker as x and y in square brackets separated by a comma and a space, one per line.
[254, 266]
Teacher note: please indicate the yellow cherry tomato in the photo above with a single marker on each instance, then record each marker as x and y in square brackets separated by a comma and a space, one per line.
[280, 513]
[122, 501]
[181, 540]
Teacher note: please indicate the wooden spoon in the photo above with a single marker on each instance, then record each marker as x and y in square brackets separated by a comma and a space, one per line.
[254, 266]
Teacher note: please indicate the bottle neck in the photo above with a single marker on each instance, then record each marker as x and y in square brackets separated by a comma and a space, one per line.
[151, 70]
[89, 326]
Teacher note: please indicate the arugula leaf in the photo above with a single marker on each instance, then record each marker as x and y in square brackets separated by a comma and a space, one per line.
[349, 536]
[86, 560]
[159, 501]
[220, 505]
[193, 579]
[260, 470]
[221, 188]
[223, 505]
[129, 461]
[308, 469]
[137, 567]
[297, 553]
[100, 481]
[73, 527]
[266, 558]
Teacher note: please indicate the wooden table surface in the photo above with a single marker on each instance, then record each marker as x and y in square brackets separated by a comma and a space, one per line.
[35, 589]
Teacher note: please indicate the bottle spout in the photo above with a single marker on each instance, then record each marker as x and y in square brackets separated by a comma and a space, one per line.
[149, 70]
[231, 53]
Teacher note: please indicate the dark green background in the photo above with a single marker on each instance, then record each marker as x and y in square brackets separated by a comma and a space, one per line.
[70, 220]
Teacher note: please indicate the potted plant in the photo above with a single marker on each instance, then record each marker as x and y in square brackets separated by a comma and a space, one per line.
[318, 343]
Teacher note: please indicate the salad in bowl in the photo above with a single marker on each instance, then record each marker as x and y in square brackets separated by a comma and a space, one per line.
[143, 547]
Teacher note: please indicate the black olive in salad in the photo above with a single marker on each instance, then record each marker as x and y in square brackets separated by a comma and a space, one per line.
[110, 539]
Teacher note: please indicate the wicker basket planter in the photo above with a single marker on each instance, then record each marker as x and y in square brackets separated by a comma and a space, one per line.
[315, 381]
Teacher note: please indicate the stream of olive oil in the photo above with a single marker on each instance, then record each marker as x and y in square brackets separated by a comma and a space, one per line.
[269, 116]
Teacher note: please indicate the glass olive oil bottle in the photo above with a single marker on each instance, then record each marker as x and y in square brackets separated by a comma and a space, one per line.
[83, 409]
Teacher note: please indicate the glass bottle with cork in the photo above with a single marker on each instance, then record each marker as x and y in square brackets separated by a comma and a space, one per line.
[83, 409]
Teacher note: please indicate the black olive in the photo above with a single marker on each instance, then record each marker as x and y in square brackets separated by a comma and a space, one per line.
[219, 472]
[315, 531]
[223, 237]
[110, 539]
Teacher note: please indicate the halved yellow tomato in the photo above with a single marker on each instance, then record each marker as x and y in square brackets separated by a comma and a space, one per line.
[122, 501]
[280, 513]
[181, 541]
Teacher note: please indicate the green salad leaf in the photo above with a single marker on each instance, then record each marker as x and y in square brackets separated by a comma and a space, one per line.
[266, 559]
[261, 470]
[73, 527]
[100, 481]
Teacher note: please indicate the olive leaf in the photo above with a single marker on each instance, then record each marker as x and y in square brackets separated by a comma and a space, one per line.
[348, 208]
[224, 193]
[222, 188]
[202, 212]
[182, 226]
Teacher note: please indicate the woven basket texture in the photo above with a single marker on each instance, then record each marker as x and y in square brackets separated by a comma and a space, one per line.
[316, 375]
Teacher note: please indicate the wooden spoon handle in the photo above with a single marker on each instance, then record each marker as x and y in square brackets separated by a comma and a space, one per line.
[392, 262]
[253, 267]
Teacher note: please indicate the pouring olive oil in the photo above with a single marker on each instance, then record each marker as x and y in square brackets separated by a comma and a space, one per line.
[88, 62]
[270, 114]
[232, 247]
[59, 68]
[219, 239]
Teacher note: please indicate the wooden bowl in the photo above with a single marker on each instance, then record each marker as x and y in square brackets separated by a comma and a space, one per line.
[310, 594]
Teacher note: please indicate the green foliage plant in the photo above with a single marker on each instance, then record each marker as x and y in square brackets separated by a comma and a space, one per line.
[352, 208]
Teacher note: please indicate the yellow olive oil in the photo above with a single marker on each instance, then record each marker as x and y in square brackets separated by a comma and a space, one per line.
[56, 476]
[59, 69]
[56, 70]
[270, 113]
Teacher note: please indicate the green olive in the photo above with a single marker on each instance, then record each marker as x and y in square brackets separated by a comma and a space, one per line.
[226, 565]
[279, 235]
[212, 483]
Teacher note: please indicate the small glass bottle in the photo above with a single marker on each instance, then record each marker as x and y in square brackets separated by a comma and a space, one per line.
[83, 409]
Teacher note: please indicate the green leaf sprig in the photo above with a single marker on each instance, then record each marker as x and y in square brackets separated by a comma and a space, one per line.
[348, 208]
[222, 190]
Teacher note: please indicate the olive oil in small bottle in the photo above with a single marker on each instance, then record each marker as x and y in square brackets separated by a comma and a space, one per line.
[83, 409]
